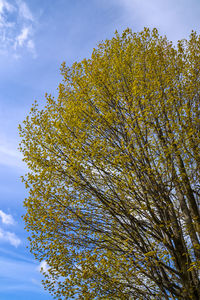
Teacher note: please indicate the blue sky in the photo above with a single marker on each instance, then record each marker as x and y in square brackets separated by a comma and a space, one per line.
[36, 36]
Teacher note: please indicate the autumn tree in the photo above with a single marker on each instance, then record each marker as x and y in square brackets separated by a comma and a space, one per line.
[113, 204]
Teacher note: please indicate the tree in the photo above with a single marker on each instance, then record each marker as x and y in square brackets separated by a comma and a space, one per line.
[113, 204]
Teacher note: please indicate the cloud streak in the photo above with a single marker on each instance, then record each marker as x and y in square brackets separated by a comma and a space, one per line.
[19, 275]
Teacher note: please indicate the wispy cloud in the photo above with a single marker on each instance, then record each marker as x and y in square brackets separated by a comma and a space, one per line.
[10, 237]
[16, 28]
[22, 37]
[6, 218]
[4, 5]
[31, 47]
[24, 10]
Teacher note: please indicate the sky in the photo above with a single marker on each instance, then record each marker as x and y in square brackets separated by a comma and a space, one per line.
[36, 36]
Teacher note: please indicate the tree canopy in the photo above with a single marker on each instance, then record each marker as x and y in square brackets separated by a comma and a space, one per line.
[113, 179]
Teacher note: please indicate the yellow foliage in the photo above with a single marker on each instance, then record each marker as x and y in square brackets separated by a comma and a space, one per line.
[114, 172]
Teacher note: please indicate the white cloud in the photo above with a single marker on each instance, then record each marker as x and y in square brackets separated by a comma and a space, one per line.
[9, 237]
[22, 37]
[6, 219]
[5, 8]
[12, 238]
[16, 28]
[43, 266]
[31, 47]
[24, 11]
[4, 5]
